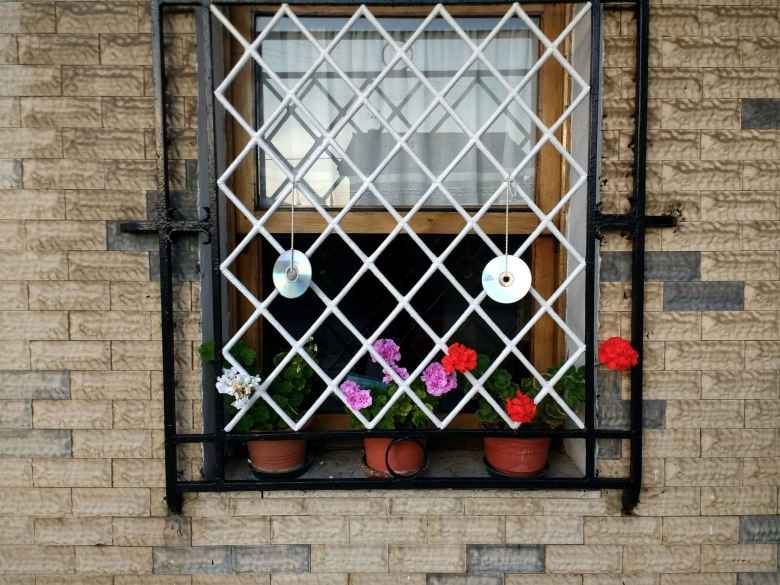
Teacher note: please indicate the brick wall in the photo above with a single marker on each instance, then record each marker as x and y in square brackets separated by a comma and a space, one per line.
[81, 486]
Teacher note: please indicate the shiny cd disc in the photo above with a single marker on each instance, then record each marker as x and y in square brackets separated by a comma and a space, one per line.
[292, 274]
[506, 279]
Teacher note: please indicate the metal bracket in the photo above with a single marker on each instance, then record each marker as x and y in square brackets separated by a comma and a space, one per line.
[167, 227]
[628, 223]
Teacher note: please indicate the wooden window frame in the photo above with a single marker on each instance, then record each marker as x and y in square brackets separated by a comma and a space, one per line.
[548, 267]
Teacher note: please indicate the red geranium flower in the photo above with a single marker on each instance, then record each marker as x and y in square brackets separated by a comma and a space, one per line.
[617, 354]
[521, 408]
[459, 358]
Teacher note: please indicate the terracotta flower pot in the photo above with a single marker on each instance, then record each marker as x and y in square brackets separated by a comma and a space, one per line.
[277, 455]
[518, 457]
[406, 457]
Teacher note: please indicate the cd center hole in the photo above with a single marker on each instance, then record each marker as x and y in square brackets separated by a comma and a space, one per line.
[506, 279]
[291, 273]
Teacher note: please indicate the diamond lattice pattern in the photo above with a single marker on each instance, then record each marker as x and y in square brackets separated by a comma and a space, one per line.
[325, 143]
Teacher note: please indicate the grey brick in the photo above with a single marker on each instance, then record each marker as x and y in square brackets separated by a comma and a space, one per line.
[186, 259]
[759, 529]
[760, 114]
[758, 578]
[34, 385]
[16, 414]
[445, 579]
[10, 174]
[608, 384]
[186, 560]
[493, 559]
[272, 558]
[704, 296]
[608, 448]
[35, 443]
[130, 242]
[663, 266]
[616, 414]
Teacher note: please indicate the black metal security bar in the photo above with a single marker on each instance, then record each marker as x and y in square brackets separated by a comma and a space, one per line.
[216, 440]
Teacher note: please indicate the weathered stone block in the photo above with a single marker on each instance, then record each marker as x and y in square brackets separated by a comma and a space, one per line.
[29, 80]
[102, 81]
[97, 17]
[663, 266]
[171, 531]
[705, 530]
[16, 414]
[73, 531]
[272, 558]
[395, 530]
[34, 502]
[506, 559]
[112, 444]
[583, 559]
[724, 558]
[759, 529]
[59, 49]
[736, 501]
[113, 560]
[185, 560]
[657, 558]
[110, 385]
[35, 443]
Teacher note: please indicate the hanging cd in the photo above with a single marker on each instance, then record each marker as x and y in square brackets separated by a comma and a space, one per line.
[506, 279]
[292, 274]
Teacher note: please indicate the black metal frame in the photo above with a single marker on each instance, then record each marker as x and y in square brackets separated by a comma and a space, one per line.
[634, 223]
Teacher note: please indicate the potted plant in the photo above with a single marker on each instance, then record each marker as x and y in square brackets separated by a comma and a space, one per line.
[387, 456]
[290, 390]
[515, 456]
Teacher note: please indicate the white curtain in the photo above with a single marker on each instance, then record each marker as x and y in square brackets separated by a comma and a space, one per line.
[401, 99]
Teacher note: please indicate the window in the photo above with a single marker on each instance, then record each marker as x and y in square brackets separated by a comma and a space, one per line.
[400, 149]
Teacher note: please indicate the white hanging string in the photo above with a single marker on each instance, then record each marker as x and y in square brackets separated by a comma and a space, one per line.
[292, 228]
[506, 223]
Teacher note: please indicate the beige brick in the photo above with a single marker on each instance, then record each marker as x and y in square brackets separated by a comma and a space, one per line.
[230, 531]
[499, 507]
[352, 559]
[761, 471]
[763, 355]
[29, 80]
[705, 530]
[110, 385]
[145, 296]
[135, 174]
[111, 205]
[690, 471]
[66, 355]
[16, 473]
[669, 502]
[110, 501]
[71, 414]
[139, 473]
[95, 17]
[58, 49]
[705, 355]
[49, 296]
[55, 236]
[722, 558]
[583, 559]
[699, 52]
[70, 531]
[103, 144]
[29, 143]
[72, 473]
[705, 414]
[427, 559]
[700, 114]
[135, 414]
[763, 414]
[14, 355]
[701, 176]
[126, 112]
[113, 560]
[672, 385]
[60, 112]
[364, 507]
[41, 560]
[118, 444]
[740, 205]
[670, 83]
[207, 505]
[542, 530]
[145, 355]
[741, 384]
[13, 295]
[124, 49]
[16, 414]
[759, 52]
[33, 325]
[102, 81]
[394, 530]
[672, 326]
[743, 82]
[761, 235]
[32, 205]
[455, 530]
[16, 531]
[32, 266]
[762, 294]
[745, 442]
[108, 266]
[739, 145]
[309, 529]
[749, 21]
[656, 558]
[110, 325]
[172, 531]
[12, 235]
[671, 443]
[673, 21]
[703, 235]
[167, 580]
[9, 112]
[578, 507]
[34, 502]
[760, 176]
[740, 265]
[734, 501]
[376, 579]
[26, 17]
[423, 505]
[63, 174]
[623, 531]
[537, 579]
[731, 325]
[10, 174]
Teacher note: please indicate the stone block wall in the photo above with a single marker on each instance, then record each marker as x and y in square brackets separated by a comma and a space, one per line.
[81, 468]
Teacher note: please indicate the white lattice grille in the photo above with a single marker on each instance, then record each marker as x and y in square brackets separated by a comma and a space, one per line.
[258, 138]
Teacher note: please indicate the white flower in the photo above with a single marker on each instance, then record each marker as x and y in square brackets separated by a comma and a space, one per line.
[240, 386]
